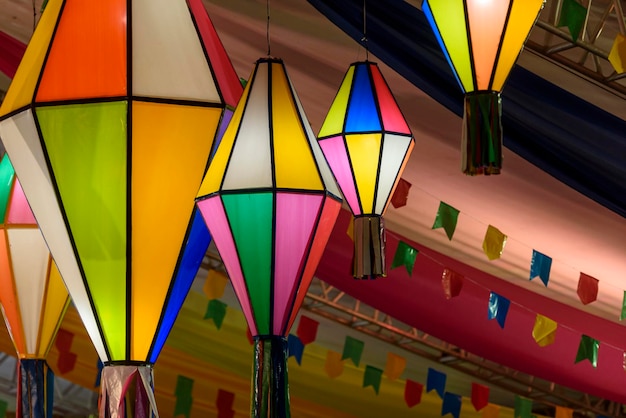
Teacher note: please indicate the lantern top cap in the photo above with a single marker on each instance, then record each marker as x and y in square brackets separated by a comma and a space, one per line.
[270, 60]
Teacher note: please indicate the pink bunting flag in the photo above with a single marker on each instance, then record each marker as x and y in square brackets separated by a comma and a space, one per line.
[452, 283]
[413, 393]
[480, 396]
[587, 289]
[307, 330]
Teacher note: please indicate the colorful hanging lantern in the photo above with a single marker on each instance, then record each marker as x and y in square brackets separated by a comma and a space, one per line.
[367, 142]
[109, 122]
[481, 40]
[32, 295]
[270, 202]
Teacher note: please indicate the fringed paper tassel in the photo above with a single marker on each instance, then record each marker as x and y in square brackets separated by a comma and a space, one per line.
[270, 387]
[482, 133]
[127, 391]
[35, 389]
[369, 247]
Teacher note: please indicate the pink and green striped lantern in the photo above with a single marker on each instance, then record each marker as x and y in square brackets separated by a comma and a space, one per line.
[270, 203]
[367, 142]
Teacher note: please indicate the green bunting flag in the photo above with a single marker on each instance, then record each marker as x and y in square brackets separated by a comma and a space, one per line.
[216, 310]
[523, 407]
[353, 349]
[447, 217]
[184, 400]
[372, 377]
[3, 408]
[573, 16]
[623, 315]
[588, 350]
[405, 256]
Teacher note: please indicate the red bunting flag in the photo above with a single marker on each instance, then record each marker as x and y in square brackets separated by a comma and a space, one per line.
[480, 396]
[224, 403]
[11, 52]
[413, 393]
[307, 330]
[249, 336]
[587, 288]
[452, 283]
[67, 359]
[401, 194]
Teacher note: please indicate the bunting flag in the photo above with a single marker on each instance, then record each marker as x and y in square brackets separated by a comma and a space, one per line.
[334, 364]
[353, 349]
[184, 398]
[295, 347]
[573, 16]
[544, 331]
[540, 265]
[587, 289]
[451, 404]
[491, 411]
[446, 218]
[249, 336]
[350, 230]
[224, 403]
[307, 329]
[436, 380]
[494, 242]
[405, 256]
[412, 393]
[67, 360]
[562, 412]
[3, 408]
[372, 377]
[452, 283]
[480, 396]
[498, 308]
[623, 314]
[216, 310]
[395, 366]
[588, 350]
[99, 366]
[617, 56]
[401, 194]
[215, 284]
[11, 52]
[523, 407]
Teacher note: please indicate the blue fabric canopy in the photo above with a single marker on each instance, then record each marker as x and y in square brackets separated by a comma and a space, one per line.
[576, 142]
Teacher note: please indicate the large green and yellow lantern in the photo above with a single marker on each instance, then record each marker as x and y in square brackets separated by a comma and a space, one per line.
[110, 122]
[481, 39]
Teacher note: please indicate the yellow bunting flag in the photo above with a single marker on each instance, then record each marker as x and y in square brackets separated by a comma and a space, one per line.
[617, 56]
[544, 330]
[350, 230]
[494, 242]
[215, 284]
[334, 364]
[562, 412]
[395, 366]
[491, 411]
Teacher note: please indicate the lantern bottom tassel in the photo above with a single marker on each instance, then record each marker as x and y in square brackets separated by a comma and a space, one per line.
[369, 247]
[482, 133]
[127, 391]
[270, 388]
[35, 389]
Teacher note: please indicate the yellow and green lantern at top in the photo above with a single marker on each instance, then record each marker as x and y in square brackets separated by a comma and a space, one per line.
[110, 122]
[367, 143]
[482, 39]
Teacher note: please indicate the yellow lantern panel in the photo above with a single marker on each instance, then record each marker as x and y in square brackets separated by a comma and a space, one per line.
[364, 151]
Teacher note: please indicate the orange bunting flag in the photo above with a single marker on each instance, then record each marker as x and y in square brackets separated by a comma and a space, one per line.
[544, 331]
[562, 412]
[452, 283]
[401, 194]
[491, 411]
[215, 284]
[587, 289]
[413, 393]
[617, 56]
[480, 396]
[334, 364]
[494, 242]
[395, 366]
[350, 230]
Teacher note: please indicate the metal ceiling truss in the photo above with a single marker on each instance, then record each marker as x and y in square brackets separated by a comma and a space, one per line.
[335, 305]
[588, 55]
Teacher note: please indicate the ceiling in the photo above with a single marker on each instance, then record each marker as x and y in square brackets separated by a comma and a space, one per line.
[533, 209]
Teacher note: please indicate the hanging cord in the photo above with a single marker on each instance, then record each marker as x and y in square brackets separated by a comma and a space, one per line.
[267, 30]
[34, 16]
[364, 39]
